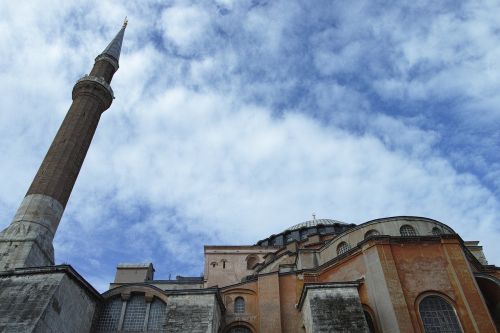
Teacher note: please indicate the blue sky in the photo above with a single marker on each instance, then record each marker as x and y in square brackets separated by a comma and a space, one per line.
[236, 119]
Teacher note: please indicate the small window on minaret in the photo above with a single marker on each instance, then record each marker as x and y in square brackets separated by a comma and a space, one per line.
[224, 263]
[213, 263]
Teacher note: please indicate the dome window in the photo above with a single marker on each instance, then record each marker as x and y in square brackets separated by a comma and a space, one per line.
[407, 230]
[436, 231]
[343, 248]
[371, 233]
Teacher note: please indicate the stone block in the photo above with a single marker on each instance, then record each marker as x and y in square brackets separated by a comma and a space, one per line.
[46, 300]
[196, 313]
[332, 307]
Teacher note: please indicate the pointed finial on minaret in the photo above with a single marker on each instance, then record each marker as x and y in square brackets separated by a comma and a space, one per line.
[314, 217]
[113, 50]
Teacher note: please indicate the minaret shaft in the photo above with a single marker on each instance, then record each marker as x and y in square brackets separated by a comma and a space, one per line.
[27, 242]
[60, 167]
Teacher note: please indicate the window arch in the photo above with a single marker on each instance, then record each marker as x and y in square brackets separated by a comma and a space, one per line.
[133, 314]
[371, 232]
[157, 315]
[436, 231]
[109, 316]
[240, 329]
[438, 315]
[343, 248]
[239, 305]
[407, 230]
[252, 261]
[369, 321]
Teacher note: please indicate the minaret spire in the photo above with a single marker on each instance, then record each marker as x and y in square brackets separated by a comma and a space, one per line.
[27, 242]
[114, 48]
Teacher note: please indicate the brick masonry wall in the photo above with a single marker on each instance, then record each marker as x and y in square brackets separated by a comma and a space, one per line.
[63, 161]
[269, 303]
[60, 167]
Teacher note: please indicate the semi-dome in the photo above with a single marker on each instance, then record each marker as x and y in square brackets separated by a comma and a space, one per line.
[313, 223]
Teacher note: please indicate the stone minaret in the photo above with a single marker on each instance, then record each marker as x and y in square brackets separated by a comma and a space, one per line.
[27, 242]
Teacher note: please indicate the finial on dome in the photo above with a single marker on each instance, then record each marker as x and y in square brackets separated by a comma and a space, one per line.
[125, 22]
[314, 217]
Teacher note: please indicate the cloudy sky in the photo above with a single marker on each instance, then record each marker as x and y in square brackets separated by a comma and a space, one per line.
[236, 119]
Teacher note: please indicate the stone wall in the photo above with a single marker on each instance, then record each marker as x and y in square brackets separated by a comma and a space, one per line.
[44, 300]
[333, 308]
[195, 313]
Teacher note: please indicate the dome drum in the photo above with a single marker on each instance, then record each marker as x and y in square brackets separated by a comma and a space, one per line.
[303, 230]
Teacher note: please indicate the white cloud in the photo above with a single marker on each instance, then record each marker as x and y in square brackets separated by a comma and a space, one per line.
[186, 27]
[283, 111]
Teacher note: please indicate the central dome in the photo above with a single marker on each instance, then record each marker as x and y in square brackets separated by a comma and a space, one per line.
[313, 223]
[304, 230]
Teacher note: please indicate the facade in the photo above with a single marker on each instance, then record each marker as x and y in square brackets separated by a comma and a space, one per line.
[395, 274]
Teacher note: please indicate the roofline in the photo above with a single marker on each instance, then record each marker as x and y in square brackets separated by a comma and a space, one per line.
[67, 269]
[287, 231]
[410, 217]
[167, 293]
[384, 219]
[239, 247]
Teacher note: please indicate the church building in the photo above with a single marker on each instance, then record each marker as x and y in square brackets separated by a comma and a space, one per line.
[394, 274]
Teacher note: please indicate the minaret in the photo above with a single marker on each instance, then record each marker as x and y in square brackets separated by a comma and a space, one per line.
[27, 242]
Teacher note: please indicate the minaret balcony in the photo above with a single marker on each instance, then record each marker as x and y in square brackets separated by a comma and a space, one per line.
[84, 84]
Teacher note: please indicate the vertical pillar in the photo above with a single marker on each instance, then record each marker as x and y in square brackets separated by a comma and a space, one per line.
[385, 289]
[472, 309]
[269, 303]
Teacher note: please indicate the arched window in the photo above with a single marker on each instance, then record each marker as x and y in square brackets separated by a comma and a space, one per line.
[342, 248]
[239, 305]
[109, 316]
[135, 314]
[438, 315]
[240, 329]
[436, 231]
[252, 261]
[369, 321]
[371, 232]
[407, 230]
[157, 315]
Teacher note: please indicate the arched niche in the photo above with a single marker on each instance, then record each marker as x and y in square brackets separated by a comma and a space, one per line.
[490, 288]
